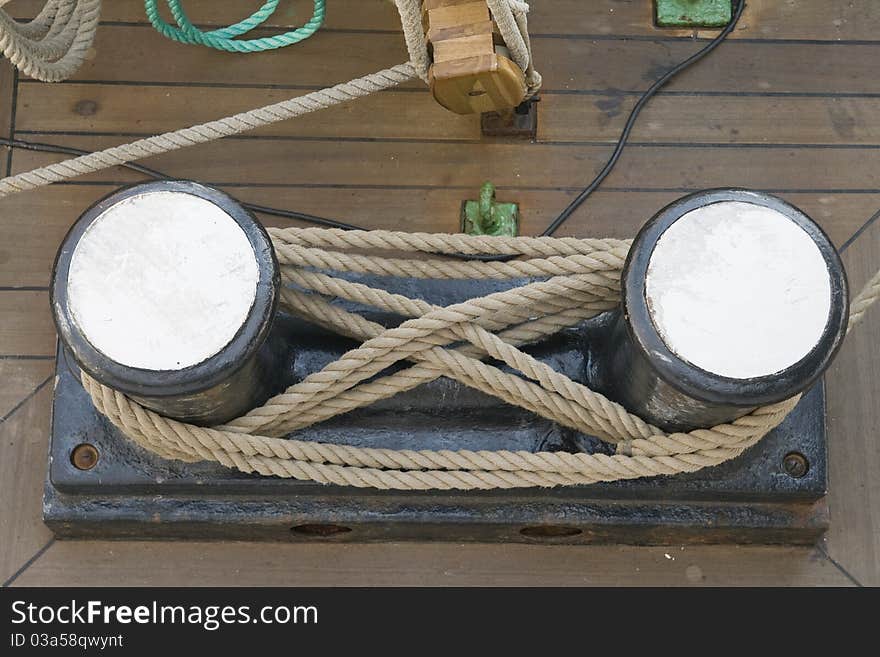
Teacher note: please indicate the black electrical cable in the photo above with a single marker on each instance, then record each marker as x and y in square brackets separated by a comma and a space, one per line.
[159, 175]
[634, 114]
[551, 228]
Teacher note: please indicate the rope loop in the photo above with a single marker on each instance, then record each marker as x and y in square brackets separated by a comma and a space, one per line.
[226, 38]
[53, 45]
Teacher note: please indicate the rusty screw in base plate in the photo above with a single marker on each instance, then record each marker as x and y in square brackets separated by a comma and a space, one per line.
[795, 465]
[84, 456]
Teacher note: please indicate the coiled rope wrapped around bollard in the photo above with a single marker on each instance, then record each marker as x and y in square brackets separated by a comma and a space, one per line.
[578, 279]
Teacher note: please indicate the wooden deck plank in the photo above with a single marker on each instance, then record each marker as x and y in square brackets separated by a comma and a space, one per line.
[7, 97]
[27, 261]
[26, 327]
[466, 165]
[341, 14]
[854, 429]
[737, 67]
[207, 564]
[129, 53]
[607, 213]
[831, 21]
[126, 52]
[24, 440]
[725, 119]
[769, 19]
[108, 109]
[20, 377]
[27, 254]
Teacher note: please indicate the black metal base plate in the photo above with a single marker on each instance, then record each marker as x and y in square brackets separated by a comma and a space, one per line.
[518, 123]
[133, 494]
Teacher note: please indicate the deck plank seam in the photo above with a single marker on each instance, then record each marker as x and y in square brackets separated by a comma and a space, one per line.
[843, 570]
[13, 110]
[476, 142]
[581, 36]
[26, 399]
[28, 563]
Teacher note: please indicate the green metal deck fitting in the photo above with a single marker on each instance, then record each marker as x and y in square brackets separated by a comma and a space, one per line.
[487, 216]
[693, 13]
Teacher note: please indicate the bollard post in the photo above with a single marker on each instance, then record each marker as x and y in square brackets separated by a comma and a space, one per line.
[731, 299]
[167, 291]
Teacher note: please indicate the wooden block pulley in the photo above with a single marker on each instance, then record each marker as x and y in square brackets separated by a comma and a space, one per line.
[472, 71]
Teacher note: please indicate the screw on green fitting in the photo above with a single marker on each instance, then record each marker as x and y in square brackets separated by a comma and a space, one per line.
[693, 13]
[489, 217]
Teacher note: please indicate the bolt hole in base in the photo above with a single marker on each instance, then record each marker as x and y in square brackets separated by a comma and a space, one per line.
[320, 530]
[550, 531]
[795, 465]
[84, 456]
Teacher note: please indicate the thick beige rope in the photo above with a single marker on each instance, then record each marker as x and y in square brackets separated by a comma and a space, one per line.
[65, 28]
[206, 132]
[865, 299]
[511, 16]
[575, 282]
[52, 46]
[414, 34]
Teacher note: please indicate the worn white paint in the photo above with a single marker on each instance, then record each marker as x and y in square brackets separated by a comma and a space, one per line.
[738, 289]
[162, 281]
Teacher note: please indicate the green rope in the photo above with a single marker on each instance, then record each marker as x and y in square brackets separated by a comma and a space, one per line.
[225, 38]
